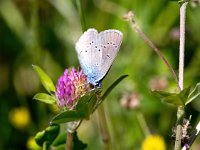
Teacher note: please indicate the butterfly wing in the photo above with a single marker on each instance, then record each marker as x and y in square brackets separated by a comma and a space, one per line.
[110, 43]
[88, 56]
[96, 52]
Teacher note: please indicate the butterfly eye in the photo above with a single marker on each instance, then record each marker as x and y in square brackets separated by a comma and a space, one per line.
[95, 46]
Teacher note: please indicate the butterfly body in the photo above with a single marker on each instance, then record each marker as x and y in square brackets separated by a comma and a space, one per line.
[96, 53]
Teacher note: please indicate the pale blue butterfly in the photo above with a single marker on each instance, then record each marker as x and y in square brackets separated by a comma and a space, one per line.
[96, 53]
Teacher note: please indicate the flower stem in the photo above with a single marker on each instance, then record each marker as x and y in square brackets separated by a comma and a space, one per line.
[143, 124]
[79, 4]
[45, 146]
[129, 17]
[180, 114]
[180, 111]
[69, 140]
[104, 127]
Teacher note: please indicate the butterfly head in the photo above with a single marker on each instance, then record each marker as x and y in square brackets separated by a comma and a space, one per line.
[98, 85]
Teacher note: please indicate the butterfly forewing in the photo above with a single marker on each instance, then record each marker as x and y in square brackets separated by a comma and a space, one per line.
[88, 58]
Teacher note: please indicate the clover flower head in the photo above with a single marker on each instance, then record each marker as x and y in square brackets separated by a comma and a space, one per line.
[70, 87]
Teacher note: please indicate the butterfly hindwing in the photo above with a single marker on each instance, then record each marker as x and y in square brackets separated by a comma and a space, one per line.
[111, 41]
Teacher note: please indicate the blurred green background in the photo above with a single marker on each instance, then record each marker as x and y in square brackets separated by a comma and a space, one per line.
[44, 33]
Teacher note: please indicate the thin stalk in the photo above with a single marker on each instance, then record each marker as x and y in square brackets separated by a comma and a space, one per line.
[104, 127]
[143, 124]
[129, 17]
[34, 44]
[180, 111]
[71, 128]
[79, 4]
[69, 140]
[45, 146]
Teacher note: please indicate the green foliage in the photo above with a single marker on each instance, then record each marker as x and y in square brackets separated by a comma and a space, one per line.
[46, 98]
[45, 79]
[112, 86]
[171, 98]
[180, 1]
[86, 105]
[80, 112]
[48, 135]
[194, 94]
[60, 140]
[78, 144]
[179, 99]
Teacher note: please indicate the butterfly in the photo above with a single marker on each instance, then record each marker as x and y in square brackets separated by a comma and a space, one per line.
[96, 53]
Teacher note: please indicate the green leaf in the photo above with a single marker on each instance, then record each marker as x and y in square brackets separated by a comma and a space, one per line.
[78, 144]
[82, 111]
[39, 138]
[48, 135]
[45, 79]
[82, 105]
[184, 94]
[112, 86]
[67, 116]
[45, 146]
[92, 103]
[61, 139]
[172, 98]
[85, 104]
[46, 98]
[177, 99]
[179, 1]
[194, 95]
[161, 94]
[96, 101]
